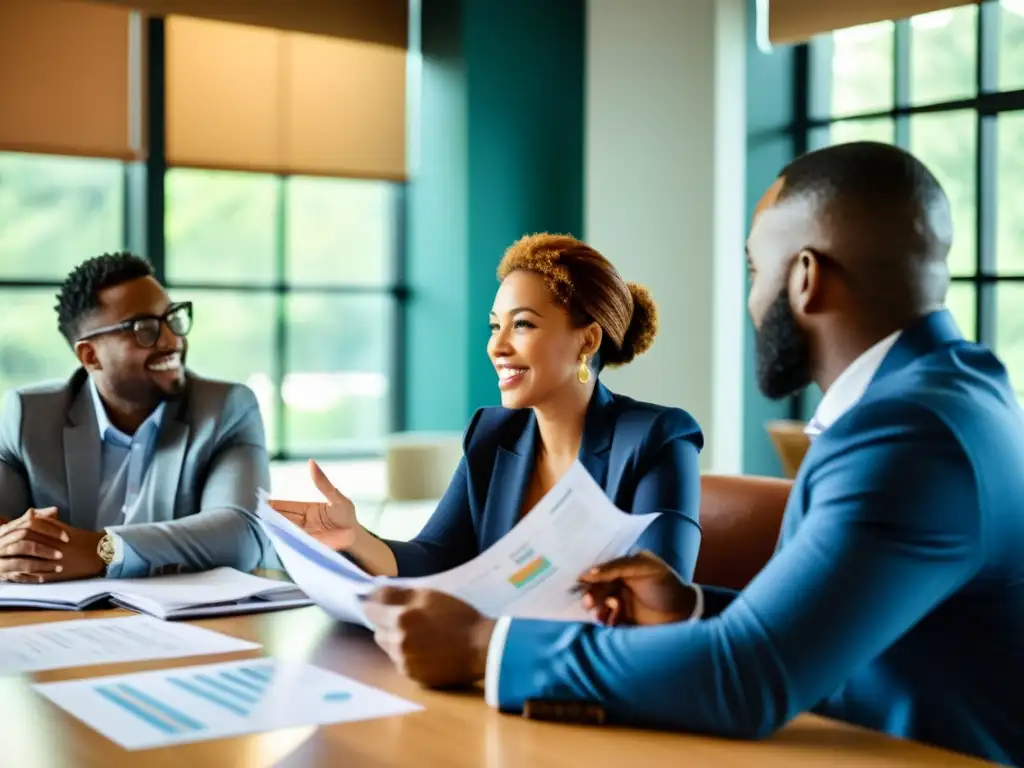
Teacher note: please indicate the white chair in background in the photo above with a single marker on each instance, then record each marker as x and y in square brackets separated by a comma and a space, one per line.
[418, 468]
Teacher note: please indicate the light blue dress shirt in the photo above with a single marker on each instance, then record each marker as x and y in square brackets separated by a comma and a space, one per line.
[124, 461]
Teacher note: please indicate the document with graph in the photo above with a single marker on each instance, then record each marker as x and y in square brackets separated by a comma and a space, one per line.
[529, 573]
[145, 710]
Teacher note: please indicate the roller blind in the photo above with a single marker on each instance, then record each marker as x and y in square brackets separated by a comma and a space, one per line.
[251, 98]
[66, 79]
[344, 108]
[795, 21]
[384, 22]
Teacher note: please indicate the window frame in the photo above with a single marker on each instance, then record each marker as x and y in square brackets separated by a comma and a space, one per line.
[144, 233]
[987, 104]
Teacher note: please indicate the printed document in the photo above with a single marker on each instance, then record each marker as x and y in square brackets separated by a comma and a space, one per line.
[188, 704]
[529, 573]
[85, 642]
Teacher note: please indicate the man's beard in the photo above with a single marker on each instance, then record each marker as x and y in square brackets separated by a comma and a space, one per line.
[142, 392]
[783, 352]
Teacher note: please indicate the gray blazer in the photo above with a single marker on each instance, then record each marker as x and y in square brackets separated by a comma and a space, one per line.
[199, 494]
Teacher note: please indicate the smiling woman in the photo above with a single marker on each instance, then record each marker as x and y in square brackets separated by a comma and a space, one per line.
[573, 313]
[561, 313]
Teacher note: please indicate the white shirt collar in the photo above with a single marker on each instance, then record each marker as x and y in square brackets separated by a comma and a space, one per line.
[847, 390]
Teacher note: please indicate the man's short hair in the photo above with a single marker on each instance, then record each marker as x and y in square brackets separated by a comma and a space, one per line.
[867, 174]
[891, 212]
[79, 295]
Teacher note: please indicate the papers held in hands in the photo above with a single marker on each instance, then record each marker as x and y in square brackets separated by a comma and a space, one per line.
[529, 573]
[220, 592]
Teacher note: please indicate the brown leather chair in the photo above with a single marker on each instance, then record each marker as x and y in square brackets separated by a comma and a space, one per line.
[740, 518]
[790, 442]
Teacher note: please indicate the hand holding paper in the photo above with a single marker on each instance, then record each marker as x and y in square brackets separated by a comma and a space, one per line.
[433, 638]
[529, 573]
[639, 590]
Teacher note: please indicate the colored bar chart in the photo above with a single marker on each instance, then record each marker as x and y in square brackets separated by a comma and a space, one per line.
[237, 691]
[175, 706]
[150, 711]
[530, 572]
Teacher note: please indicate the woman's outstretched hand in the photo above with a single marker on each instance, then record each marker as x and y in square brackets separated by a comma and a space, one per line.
[332, 522]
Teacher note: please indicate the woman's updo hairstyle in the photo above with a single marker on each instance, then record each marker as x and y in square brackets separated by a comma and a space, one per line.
[587, 284]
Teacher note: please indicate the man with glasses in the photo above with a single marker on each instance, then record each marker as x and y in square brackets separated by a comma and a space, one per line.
[134, 466]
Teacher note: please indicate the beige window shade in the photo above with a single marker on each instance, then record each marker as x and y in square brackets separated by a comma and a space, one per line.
[223, 95]
[247, 98]
[66, 82]
[385, 22]
[344, 108]
[795, 21]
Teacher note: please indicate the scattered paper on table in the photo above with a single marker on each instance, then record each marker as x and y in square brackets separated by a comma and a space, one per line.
[528, 573]
[84, 642]
[178, 706]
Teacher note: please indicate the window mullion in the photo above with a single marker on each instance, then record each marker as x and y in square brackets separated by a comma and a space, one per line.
[280, 357]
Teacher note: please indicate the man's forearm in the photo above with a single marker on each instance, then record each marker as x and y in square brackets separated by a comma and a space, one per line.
[210, 539]
[14, 495]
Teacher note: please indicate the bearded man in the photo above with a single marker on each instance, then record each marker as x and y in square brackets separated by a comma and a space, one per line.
[895, 599]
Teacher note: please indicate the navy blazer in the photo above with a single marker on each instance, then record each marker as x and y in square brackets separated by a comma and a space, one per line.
[895, 599]
[643, 455]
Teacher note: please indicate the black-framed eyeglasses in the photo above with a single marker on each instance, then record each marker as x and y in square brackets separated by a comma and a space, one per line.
[146, 329]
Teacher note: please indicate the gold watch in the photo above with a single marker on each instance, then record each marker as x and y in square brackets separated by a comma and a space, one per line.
[105, 549]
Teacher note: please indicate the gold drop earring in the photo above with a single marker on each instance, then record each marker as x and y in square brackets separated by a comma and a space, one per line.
[583, 374]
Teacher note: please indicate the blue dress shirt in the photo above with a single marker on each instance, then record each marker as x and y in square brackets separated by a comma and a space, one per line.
[124, 461]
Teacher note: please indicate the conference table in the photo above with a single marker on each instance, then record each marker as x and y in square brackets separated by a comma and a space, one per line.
[454, 729]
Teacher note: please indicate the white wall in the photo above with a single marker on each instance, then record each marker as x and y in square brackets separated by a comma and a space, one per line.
[665, 154]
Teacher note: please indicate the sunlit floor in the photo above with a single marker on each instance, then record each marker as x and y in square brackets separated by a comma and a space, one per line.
[362, 481]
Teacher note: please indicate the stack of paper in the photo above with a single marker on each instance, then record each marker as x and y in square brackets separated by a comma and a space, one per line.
[220, 592]
[529, 573]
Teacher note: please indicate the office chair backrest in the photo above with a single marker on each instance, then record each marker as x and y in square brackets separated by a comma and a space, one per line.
[740, 518]
[790, 442]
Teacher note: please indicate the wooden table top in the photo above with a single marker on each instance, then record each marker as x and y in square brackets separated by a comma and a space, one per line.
[454, 729]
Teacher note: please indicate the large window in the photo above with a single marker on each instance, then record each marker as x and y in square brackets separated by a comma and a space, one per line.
[54, 211]
[948, 86]
[295, 272]
[295, 285]
[294, 279]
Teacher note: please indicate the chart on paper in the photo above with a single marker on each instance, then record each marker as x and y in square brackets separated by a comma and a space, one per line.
[237, 691]
[531, 571]
[533, 568]
[151, 709]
